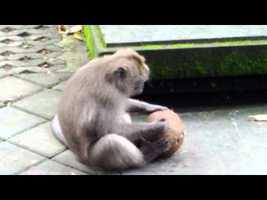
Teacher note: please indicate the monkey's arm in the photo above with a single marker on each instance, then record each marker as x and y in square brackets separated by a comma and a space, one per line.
[134, 105]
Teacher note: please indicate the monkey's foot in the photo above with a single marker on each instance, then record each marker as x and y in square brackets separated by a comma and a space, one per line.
[153, 150]
[156, 132]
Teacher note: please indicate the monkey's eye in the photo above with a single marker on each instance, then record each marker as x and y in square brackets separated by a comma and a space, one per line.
[121, 72]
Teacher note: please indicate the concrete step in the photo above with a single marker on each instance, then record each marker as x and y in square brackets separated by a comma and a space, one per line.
[180, 52]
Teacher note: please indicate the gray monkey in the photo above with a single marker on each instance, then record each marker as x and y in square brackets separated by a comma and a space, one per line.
[93, 117]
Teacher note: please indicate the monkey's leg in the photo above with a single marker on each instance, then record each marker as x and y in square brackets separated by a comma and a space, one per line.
[134, 105]
[114, 152]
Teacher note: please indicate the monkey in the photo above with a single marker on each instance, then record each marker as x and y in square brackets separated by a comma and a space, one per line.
[93, 117]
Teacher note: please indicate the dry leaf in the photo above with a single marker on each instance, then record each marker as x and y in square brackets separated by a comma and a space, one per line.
[61, 28]
[78, 36]
[75, 29]
[259, 117]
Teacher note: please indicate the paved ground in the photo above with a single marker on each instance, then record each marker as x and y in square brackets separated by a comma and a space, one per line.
[32, 75]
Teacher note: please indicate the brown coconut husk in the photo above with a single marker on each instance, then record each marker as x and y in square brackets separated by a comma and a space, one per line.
[175, 132]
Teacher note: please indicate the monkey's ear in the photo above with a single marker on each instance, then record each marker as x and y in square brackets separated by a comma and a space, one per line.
[120, 72]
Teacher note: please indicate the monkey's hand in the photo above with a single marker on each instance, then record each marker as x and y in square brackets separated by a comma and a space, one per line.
[150, 108]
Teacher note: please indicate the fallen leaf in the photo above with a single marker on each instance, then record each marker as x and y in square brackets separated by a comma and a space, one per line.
[75, 29]
[261, 117]
[78, 36]
[61, 28]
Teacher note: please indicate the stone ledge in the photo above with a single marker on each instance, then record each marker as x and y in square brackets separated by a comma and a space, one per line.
[193, 59]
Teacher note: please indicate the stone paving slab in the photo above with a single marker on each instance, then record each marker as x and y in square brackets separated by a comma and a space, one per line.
[50, 167]
[29, 50]
[28, 70]
[18, 42]
[45, 79]
[14, 88]
[57, 69]
[60, 86]
[42, 36]
[40, 140]
[10, 43]
[69, 159]
[14, 121]
[25, 33]
[191, 159]
[31, 59]
[31, 69]
[43, 103]
[21, 44]
[4, 72]
[14, 43]
[14, 159]
[11, 39]
[14, 27]
[38, 63]
[28, 57]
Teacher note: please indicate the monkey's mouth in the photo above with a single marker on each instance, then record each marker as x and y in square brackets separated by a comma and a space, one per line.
[139, 87]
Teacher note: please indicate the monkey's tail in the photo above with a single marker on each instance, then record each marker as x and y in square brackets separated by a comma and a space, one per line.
[56, 130]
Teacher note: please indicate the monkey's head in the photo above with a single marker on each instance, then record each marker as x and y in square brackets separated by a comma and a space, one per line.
[128, 72]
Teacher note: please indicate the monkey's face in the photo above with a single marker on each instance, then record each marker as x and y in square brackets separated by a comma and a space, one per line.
[130, 77]
[127, 72]
[128, 83]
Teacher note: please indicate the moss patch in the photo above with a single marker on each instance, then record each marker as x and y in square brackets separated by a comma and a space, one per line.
[209, 63]
[91, 50]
